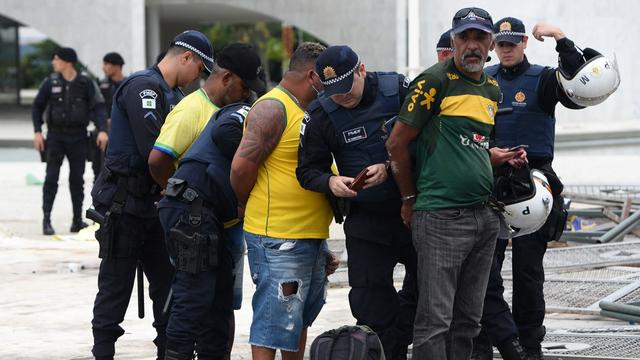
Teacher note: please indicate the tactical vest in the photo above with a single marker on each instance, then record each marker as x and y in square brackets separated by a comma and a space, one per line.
[362, 133]
[123, 151]
[205, 152]
[108, 89]
[528, 124]
[69, 102]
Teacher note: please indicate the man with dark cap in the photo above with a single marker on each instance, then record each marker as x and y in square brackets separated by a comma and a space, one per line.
[350, 121]
[112, 67]
[125, 193]
[200, 312]
[444, 48]
[533, 92]
[70, 97]
[450, 111]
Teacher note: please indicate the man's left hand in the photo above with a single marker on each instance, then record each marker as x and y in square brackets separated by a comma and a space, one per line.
[101, 140]
[514, 158]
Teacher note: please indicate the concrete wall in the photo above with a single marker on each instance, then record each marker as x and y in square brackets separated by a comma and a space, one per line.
[91, 27]
[370, 28]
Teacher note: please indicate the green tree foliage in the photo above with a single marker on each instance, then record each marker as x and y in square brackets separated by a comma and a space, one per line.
[36, 66]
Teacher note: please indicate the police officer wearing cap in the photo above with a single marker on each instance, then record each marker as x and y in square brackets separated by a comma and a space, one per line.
[199, 211]
[533, 93]
[125, 194]
[350, 121]
[112, 64]
[70, 98]
[444, 49]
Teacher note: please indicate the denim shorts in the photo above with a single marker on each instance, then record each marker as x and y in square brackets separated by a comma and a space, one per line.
[235, 234]
[279, 319]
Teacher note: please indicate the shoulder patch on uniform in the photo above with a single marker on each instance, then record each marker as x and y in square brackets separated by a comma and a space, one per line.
[406, 82]
[148, 93]
[148, 97]
[305, 121]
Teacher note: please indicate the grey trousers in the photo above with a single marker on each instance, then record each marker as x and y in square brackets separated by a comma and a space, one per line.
[455, 249]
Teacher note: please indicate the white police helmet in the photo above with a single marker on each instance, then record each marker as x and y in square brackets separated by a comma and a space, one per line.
[594, 81]
[528, 200]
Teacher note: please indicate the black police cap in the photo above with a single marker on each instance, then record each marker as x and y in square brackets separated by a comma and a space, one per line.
[244, 61]
[113, 58]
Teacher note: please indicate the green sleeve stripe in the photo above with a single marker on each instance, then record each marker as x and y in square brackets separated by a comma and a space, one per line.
[166, 149]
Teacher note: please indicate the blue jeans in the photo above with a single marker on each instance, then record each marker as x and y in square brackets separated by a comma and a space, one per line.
[455, 250]
[279, 318]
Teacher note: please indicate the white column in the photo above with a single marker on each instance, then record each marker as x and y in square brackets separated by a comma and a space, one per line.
[401, 36]
[153, 33]
[413, 38]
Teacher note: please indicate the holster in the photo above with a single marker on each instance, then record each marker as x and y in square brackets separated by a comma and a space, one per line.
[192, 242]
[107, 233]
[340, 207]
[193, 253]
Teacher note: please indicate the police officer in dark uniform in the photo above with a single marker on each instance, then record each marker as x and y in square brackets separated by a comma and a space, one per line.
[198, 201]
[533, 93]
[112, 64]
[70, 98]
[350, 121]
[125, 193]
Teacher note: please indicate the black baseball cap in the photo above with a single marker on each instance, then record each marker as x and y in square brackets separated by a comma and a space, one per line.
[199, 44]
[244, 61]
[67, 54]
[444, 44]
[472, 18]
[113, 58]
[336, 66]
[509, 29]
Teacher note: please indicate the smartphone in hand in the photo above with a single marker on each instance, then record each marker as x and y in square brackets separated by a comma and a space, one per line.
[516, 148]
[358, 181]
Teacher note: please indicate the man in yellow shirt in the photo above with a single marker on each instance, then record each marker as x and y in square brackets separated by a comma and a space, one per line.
[285, 225]
[236, 72]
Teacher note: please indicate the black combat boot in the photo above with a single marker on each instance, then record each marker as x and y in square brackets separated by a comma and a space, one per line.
[77, 224]
[511, 350]
[482, 348]
[47, 229]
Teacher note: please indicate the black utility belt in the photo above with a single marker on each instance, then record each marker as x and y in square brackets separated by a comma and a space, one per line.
[136, 185]
[179, 189]
[67, 129]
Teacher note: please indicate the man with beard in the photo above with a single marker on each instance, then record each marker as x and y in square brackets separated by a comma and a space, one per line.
[450, 109]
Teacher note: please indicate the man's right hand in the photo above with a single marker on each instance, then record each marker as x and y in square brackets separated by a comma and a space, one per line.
[339, 186]
[406, 211]
[38, 142]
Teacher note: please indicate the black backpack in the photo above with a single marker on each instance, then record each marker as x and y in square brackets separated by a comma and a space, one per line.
[347, 343]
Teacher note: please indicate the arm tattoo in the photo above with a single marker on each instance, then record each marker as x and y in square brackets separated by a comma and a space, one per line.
[265, 124]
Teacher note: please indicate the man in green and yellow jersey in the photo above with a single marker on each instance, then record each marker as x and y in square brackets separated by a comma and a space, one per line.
[285, 225]
[450, 110]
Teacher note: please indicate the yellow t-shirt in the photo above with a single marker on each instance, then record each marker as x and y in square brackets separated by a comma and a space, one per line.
[278, 206]
[184, 124]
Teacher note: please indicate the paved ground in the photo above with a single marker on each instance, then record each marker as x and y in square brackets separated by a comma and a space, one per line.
[47, 286]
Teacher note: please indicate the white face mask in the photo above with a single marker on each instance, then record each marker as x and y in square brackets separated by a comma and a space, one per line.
[316, 90]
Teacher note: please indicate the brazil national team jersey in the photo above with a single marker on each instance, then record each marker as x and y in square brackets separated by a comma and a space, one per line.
[184, 123]
[455, 116]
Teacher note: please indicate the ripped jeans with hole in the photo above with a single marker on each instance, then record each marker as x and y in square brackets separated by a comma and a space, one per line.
[290, 281]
